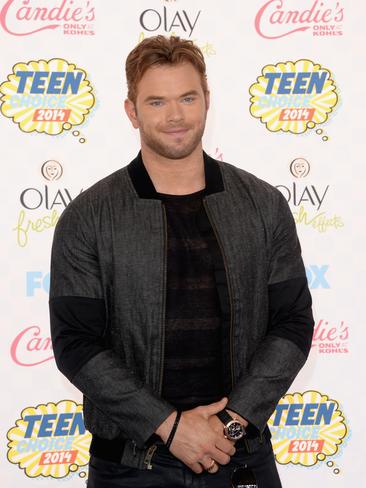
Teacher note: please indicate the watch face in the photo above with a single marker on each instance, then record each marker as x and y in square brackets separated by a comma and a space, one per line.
[235, 430]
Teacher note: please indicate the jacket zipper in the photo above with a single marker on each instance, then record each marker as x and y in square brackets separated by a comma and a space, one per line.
[164, 301]
[229, 290]
[152, 449]
[149, 455]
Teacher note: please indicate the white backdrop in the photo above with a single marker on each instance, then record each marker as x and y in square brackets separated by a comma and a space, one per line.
[62, 132]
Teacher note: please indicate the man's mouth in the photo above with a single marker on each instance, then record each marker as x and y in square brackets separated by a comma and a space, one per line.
[178, 131]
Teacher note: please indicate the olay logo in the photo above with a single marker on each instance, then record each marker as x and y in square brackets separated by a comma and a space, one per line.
[26, 17]
[30, 347]
[151, 20]
[280, 18]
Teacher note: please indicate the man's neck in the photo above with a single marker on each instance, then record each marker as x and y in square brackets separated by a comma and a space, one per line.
[175, 176]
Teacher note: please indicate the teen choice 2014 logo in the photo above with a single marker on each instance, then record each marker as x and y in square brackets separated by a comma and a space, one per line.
[46, 96]
[50, 440]
[293, 96]
[307, 428]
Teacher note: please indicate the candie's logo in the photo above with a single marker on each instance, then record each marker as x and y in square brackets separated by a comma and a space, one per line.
[50, 440]
[31, 348]
[27, 17]
[307, 428]
[46, 96]
[293, 96]
[281, 18]
[331, 337]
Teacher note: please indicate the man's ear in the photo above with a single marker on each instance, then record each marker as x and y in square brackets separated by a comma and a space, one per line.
[207, 98]
[131, 113]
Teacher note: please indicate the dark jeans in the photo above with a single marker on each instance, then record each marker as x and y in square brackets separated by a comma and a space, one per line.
[168, 472]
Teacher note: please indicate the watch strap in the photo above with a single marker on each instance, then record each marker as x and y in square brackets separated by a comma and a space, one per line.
[224, 416]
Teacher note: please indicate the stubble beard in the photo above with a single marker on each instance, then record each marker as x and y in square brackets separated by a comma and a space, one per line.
[172, 151]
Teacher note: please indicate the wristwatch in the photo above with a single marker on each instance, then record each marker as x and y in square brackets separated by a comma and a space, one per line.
[233, 428]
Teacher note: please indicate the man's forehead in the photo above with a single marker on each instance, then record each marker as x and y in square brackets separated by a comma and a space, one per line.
[182, 77]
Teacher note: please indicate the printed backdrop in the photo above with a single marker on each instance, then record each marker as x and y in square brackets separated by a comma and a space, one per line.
[285, 78]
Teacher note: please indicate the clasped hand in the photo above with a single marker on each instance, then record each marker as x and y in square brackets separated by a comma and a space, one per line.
[199, 439]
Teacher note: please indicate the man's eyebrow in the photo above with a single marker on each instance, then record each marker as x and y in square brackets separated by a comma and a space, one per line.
[157, 97]
[192, 92]
[153, 97]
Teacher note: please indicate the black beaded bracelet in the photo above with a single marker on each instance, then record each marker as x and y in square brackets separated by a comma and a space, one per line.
[174, 428]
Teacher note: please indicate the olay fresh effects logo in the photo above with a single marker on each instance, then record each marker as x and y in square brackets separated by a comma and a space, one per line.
[47, 97]
[27, 17]
[50, 441]
[280, 18]
[293, 96]
[331, 337]
[307, 200]
[307, 428]
[40, 199]
[31, 347]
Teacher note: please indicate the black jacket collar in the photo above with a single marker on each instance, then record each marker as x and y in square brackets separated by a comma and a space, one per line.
[145, 188]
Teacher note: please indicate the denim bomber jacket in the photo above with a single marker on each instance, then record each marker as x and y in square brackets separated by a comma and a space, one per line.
[107, 299]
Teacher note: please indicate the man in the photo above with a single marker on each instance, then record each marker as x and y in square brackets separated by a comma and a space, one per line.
[179, 303]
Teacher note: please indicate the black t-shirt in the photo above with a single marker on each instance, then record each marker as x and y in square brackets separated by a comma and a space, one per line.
[195, 351]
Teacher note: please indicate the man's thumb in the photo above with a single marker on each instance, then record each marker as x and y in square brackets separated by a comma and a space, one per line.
[216, 407]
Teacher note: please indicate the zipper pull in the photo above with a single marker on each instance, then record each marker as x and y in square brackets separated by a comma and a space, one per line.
[149, 455]
[134, 447]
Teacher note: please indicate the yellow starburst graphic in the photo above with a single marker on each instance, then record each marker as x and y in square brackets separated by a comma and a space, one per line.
[306, 428]
[47, 96]
[50, 440]
[293, 96]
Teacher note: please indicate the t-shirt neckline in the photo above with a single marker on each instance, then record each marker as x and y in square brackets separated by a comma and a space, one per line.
[182, 197]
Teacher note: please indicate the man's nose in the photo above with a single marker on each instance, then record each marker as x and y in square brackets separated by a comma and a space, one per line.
[175, 112]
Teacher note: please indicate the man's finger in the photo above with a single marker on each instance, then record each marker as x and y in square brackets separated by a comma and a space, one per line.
[226, 446]
[196, 467]
[215, 407]
[210, 466]
[220, 456]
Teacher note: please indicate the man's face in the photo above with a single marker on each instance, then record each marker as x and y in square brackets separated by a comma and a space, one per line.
[170, 110]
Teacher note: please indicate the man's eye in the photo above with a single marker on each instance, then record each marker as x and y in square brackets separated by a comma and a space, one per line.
[156, 103]
[188, 99]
